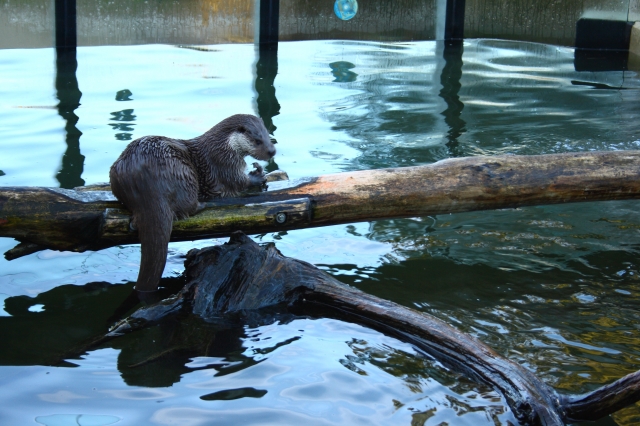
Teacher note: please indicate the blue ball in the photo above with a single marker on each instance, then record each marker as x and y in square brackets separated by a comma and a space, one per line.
[345, 9]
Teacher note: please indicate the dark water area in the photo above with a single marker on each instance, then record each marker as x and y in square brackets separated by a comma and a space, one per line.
[554, 288]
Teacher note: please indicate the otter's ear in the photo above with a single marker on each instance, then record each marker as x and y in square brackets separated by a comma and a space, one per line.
[242, 129]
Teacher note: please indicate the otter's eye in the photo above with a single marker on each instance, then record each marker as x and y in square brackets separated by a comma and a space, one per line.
[258, 142]
[241, 129]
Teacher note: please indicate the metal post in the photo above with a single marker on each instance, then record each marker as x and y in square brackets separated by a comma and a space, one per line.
[454, 21]
[269, 16]
[66, 23]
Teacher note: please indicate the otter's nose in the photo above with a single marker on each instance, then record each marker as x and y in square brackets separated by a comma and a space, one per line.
[271, 152]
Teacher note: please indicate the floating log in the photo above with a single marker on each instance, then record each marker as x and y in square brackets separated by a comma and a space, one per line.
[241, 276]
[93, 219]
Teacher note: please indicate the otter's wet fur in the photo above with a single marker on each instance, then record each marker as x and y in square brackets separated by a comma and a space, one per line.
[160, 179]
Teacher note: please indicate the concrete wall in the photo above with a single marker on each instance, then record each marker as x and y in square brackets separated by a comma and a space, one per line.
[172, 22]
[26, 23]
[29, 23]
[548, 21]
[634, 10]
[376, 20]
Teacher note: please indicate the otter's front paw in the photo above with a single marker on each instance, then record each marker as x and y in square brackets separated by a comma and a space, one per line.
[257, 177]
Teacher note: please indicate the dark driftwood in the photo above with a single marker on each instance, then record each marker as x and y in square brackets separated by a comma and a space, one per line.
[92, 219]
[241, 276]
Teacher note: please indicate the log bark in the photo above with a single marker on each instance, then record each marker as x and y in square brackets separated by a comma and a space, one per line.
[240, 277]
[92, 219]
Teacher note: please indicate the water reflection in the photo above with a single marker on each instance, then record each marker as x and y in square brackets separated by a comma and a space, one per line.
[124, 95]
[341, 70]
[67, 92]
[450, 81]
[159, 356]
[266, 69]
[416, 104]
[393, 110]
[231, 394]
[256, 355]
[554, 288]
[123, 123]
[69, 315]
[265, 75]
[69, 95]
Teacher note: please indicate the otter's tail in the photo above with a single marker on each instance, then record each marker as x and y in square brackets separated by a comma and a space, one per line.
[154, 232]
[144, 180]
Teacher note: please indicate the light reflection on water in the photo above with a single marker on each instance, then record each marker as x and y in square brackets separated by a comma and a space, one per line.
[554, 288]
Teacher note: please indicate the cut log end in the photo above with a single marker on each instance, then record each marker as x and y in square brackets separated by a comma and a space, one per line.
[22, 249]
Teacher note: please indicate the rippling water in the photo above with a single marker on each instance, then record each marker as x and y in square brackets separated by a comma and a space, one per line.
[554, 288]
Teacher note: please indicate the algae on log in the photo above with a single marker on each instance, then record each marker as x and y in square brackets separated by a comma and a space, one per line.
[90, 220]
[241, 276]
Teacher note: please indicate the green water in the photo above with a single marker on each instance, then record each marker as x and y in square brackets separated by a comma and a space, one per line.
[554, 288]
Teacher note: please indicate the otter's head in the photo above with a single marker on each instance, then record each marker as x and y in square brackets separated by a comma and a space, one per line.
[248, 136]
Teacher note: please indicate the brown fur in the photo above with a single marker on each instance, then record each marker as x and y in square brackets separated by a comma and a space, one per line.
[161, 179]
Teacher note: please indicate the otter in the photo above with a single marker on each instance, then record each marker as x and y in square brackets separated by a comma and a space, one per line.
[160, 179]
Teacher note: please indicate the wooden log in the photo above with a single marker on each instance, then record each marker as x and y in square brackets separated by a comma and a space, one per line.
[240, 277]
[92, 219]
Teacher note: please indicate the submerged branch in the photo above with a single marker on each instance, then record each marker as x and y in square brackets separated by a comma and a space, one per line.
[606, 400]
[240, 277]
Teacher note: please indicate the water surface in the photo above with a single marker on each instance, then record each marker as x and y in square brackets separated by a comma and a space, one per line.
[554, 288]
